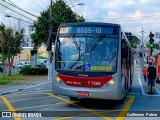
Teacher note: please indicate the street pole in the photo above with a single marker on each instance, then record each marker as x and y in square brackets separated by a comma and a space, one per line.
[50, 69]
[142, 49]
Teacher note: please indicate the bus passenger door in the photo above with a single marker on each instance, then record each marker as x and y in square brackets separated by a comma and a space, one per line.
[124, 51]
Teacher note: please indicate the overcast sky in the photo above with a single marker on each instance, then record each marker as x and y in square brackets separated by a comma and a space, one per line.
[131, 14]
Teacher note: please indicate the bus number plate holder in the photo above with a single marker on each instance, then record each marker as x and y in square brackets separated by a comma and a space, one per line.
[80, 93]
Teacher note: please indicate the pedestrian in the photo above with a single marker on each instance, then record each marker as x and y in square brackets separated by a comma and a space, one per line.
[144, 71]
[151, 78]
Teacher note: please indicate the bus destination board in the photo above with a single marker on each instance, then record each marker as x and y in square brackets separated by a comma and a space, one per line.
[88, 30]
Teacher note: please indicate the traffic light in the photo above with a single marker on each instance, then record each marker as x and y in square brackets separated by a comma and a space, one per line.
[151, 40]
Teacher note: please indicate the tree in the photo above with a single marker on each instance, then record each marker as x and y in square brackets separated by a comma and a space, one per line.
[61, 13]
[147, 44]
[134, 41]
[10, 44]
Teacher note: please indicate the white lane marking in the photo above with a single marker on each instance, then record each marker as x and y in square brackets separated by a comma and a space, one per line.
[157, 90]
[141, 84]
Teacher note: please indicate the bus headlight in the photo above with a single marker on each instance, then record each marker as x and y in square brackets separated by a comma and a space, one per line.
[58, 79]
[111, 82]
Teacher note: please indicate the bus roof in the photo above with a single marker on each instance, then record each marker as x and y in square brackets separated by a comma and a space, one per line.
[89, 23]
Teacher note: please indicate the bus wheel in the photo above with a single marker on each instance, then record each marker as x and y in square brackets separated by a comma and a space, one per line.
[73, 98]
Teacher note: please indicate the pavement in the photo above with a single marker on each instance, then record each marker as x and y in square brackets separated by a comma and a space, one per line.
[22, 85]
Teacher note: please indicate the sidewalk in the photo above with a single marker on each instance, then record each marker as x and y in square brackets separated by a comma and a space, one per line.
[20, 85]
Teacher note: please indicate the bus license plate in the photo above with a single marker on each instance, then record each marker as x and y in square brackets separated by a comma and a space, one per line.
[80, 93]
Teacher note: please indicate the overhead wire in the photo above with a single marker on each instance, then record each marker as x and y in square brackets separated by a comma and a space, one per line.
[17, 18]
[37, 4]
[14, 5]
[15, 11]
[73, 5]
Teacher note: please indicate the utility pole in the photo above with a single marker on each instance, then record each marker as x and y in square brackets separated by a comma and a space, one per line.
[50, 69]
[142, 49]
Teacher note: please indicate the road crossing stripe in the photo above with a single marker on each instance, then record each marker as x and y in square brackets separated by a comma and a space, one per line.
[88, 110]
[124, 111]
[10, 107]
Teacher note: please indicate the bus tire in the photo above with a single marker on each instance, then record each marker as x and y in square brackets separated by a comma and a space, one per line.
[73, 98]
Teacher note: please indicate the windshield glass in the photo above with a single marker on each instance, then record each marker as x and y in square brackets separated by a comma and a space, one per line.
[87, 54]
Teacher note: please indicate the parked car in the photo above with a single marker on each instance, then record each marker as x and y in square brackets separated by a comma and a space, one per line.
[42, 62]
[20, 64]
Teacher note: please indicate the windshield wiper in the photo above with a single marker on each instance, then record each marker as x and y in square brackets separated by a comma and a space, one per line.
[98, 41]
[75, 42]
[78, 48]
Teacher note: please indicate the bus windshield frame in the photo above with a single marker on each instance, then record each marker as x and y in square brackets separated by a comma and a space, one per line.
[89, 53]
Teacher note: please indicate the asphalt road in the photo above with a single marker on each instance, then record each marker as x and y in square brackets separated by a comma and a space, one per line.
[51, 107]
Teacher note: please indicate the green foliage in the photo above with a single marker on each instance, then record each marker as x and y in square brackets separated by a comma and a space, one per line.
[134, 41]
[10, 79]
[147, 44]
[40, 57]
[10, 43]
[61, 13]
[27, 70]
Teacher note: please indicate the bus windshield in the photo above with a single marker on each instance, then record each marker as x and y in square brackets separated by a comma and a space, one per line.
[92, 54]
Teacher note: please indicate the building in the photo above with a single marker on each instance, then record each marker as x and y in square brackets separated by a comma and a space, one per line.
[27, 46]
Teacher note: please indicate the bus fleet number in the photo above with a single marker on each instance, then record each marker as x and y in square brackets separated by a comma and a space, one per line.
[94, 83]
[88, 30]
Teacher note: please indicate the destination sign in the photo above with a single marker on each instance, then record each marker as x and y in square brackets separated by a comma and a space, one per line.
[88, 30]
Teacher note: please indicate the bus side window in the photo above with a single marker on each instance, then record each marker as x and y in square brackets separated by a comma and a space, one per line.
[124, 52]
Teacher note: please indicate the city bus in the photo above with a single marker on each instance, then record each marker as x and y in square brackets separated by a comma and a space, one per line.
[92, 60]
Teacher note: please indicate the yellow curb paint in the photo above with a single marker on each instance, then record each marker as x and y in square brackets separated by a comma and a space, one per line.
[10, 107]
[88, 110]
[124, 111]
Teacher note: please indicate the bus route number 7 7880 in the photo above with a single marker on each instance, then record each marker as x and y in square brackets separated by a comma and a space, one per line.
[89, 30]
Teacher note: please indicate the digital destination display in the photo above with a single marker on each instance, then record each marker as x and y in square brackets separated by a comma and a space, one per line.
[88, 30]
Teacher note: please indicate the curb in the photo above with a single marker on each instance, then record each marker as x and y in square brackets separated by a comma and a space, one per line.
[13, 91]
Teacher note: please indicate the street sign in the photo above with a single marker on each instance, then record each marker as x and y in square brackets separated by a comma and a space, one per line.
[151, 59]
[27, 57]
[157, 35]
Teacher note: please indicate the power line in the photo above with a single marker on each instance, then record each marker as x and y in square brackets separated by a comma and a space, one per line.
[14, 5]
[15, 11]
[73, 6]
[18, 19]
[36, 4]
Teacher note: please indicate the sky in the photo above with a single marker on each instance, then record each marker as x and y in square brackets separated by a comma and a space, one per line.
[132, 15]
